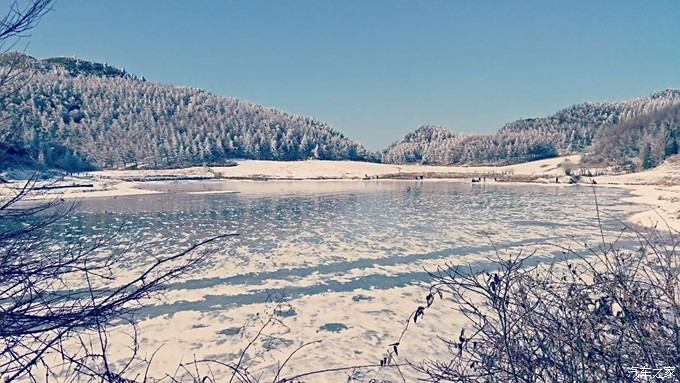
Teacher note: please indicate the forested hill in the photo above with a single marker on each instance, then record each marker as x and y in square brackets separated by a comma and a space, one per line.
[75, 114]
[619, 133]
[639, 142]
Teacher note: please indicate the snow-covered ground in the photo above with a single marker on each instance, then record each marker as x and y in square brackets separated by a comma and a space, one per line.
[318, 169]
[110, 183]
[658, 188]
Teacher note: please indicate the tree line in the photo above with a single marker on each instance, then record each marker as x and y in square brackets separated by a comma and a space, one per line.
[636, 133]
[641, 142]
[77, 115]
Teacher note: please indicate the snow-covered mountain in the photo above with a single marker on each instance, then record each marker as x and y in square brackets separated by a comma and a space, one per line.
[585, 127]
[73, 114]
[77, 114]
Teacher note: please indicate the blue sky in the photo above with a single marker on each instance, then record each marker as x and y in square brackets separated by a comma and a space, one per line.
[378, 69]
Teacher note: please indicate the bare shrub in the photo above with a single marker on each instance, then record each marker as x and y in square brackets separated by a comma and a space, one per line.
[55, 294]
[599, 315]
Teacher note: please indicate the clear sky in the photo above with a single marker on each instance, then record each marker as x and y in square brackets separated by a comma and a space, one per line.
[378, 69]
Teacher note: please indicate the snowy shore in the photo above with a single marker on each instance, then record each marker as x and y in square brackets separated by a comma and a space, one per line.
[658, 188]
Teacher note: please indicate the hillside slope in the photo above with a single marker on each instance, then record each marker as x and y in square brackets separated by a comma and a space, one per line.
[580, 128]
[640, 142]
[76, 114]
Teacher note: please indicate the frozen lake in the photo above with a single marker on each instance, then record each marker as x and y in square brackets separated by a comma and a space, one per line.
[350, 256]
